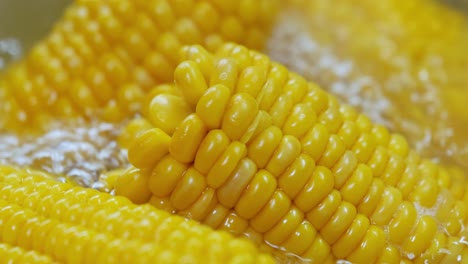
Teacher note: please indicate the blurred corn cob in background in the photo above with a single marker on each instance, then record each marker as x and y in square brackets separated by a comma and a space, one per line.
[98, 63]
[64, 223]
[103, 56]
[240, 143]
[403, 63]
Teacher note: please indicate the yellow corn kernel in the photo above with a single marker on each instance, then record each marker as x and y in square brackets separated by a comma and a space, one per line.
[162, 203]
[111, 112]
[301, 239]
[226, 164]
[212, 105]
[114, 68]
[129, 97]
[189, 79]
[284, 155]
[316, 98]
[234, 223]
[159, 66]
[349, 241]
[188, 189]
[454, 225]
[371, 246]
[200, 209]
[348, 133]
[231, 29]
[339, 223]
[293, 180]
[433, 253]
[261, 148]
[398, 145]
[165, 175]
[166, 111]
[323, 212]
[393, 171]
[276, 208]
[301, 120]
[261, 122]
[364, 147]
[229, 193]
[133, 129]
[261, 59]
[148, 148]
[318, 252]
[144, 78]
[403, 222]
[251, 80]
[96, 78]
[135, 44]
[133, 184]
[199, 55]
[315, 141]
[269, 94]
[240, 54]
[187, 31]
[169, 45]
[206, 16]
[421, 237]
[425, 193]
[280, 110]
[256, 195]
[187, 138]
[388, 205]
[285, 227]
[443, 213]
[373, 196]
[211, 148]
[81, 96]
[213, 41]
[364, 123]
[239, 113]
[225, 73]
[389, 255]
[216, 217]
[331, 118]
[319, 185]
[296, 87]
[378, 160]
[344, 168]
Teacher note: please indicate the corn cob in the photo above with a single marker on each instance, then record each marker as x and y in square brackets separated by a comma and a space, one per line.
[48, 217]
[406, 69]
[242, 144]
[10, 254]
[103, 56]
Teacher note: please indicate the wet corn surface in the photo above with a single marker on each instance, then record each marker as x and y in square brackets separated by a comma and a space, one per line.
[78, 152]
[401, 63]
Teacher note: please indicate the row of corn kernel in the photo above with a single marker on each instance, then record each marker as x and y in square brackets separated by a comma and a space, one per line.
[79, 225]
[329, 202]
[105, 55]
[11, 254]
